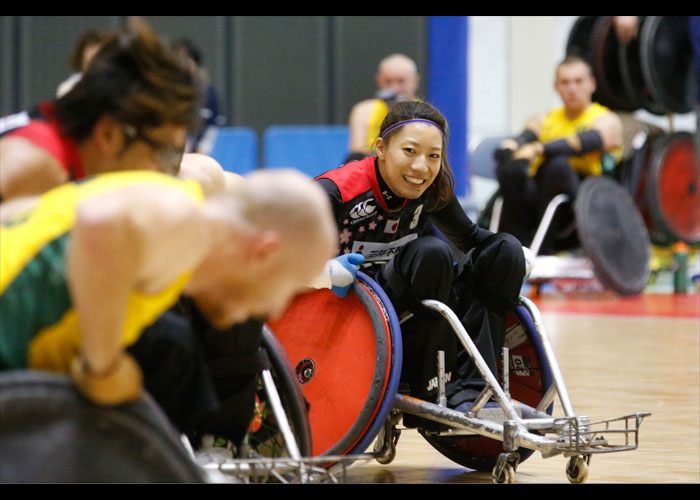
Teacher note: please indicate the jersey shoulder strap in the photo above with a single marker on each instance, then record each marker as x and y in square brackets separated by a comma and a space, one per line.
[352, 179]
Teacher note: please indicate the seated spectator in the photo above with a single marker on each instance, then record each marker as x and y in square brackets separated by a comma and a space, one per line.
[553, 154]
[397, 79]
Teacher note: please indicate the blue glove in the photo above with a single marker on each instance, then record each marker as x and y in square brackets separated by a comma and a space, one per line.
[343, 271]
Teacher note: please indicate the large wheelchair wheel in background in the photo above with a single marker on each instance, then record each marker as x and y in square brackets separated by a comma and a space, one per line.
[671, 196]
[610, 87]
[613, 235]
[579, 40]
[530, 376]
[347, 356]
[50, 433]
[666, 56]
[632, 76]
[593, 39]
[264, 435]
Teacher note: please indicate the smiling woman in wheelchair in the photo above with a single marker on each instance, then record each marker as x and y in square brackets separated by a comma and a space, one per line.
[400, 221]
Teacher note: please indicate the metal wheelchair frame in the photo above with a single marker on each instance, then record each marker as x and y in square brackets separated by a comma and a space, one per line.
[573, 436]
[514, 424]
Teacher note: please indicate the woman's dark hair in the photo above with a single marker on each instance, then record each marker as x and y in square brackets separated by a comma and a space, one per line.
[136, 79]
[442, 188]
[190, 49]
[88, 39]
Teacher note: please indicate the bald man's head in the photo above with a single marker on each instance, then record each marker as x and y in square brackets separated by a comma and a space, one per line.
[399, 73]
[205, 170]
[282, 233]
[289, 202]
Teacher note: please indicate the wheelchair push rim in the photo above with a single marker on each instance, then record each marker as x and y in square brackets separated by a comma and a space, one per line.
[347, 357]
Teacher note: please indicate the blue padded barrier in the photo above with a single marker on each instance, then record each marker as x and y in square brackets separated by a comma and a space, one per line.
[313, 149]
[236, 149]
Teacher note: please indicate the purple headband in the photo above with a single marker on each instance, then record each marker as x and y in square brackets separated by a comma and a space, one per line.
[405, 122]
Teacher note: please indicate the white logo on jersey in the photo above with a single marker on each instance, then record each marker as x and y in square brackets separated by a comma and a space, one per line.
[362, 209]
[17, 120]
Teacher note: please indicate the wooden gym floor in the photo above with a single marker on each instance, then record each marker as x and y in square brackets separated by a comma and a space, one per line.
[618, 356]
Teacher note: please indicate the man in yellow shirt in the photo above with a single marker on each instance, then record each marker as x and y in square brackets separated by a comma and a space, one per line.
[397, 79]
[90, 265]
[554, 153]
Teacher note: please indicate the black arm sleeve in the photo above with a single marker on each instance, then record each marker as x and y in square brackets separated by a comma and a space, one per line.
[504, 155]
[456, 225]
[526, 137]
[590, 141]
[334, 195]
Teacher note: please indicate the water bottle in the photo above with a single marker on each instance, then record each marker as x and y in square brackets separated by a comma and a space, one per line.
[680, 267]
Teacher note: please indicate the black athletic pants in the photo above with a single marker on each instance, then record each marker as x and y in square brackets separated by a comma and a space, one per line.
[234, 357]
[481, 287]
[175, 372]
[203, 379]
[525, 200]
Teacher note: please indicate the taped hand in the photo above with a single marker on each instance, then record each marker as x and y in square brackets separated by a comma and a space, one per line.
[343, 271]
[122, 383]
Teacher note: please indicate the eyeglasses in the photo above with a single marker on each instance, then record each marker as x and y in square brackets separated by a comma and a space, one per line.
[167, 155]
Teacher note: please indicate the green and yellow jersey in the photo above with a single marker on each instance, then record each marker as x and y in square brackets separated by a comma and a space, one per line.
[39, 327]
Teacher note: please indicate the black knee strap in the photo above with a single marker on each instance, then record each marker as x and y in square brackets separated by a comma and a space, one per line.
[499, 267]
[235, 366]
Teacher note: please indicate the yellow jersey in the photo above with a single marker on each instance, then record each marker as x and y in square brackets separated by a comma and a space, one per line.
[379, 112]
[39, 327]
[557, 126]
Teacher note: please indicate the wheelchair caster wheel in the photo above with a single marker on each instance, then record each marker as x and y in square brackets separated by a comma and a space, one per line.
[388, 457]
[504, 471]
[502, 475]
[577, 469]
[385, 445]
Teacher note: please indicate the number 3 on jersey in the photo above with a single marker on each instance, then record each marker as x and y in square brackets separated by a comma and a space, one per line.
[416, 217]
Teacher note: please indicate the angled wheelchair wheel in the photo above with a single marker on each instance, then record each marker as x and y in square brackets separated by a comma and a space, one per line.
[610, 90]
[265, 438]
[673, 188]
[530, 376]
[50, 433]
[613, 234]
[666, 55]
[579, 40]
[632, 76]
[347, 358]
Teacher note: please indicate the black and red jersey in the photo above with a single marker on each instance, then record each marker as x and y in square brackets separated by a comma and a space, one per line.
[375, 222]
[41, 127]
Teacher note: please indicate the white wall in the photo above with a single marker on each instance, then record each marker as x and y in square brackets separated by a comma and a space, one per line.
[511, 63]
[532, 57]
[489, 74]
